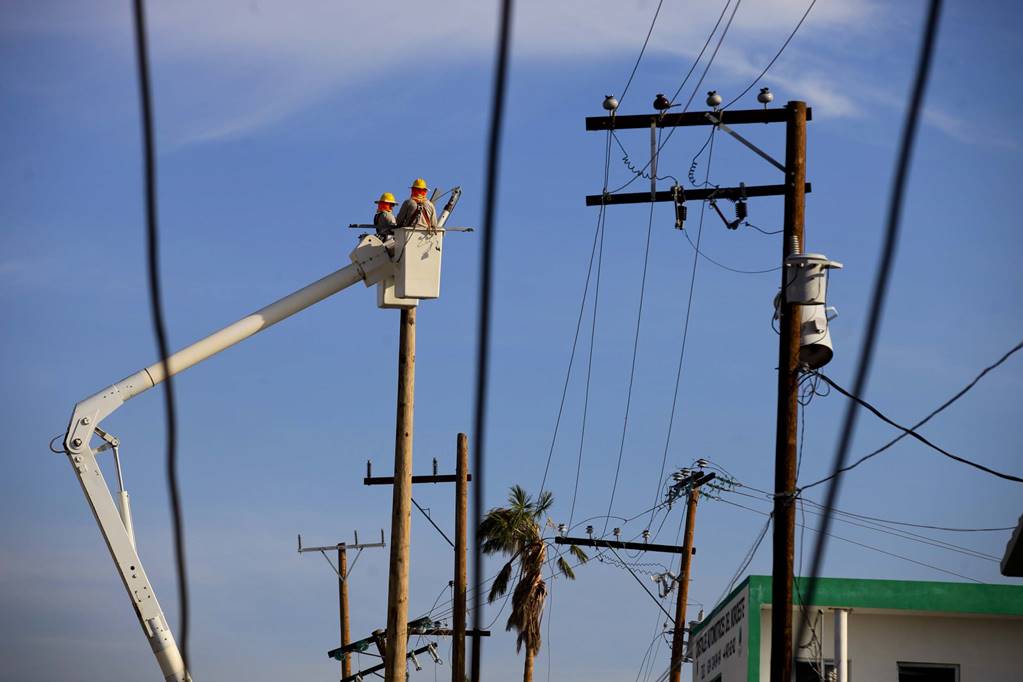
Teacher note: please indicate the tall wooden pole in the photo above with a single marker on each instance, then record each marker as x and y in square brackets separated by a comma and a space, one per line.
[461, 511]
[342, 596]
[401, 506]
[788, 383]
[683, 588]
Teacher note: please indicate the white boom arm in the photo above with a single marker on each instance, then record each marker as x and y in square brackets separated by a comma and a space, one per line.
[371, 263]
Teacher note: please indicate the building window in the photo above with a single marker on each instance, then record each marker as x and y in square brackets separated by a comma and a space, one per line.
[811, 671]
[928, 672]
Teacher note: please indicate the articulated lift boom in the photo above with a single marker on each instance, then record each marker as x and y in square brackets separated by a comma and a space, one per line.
[373, 262]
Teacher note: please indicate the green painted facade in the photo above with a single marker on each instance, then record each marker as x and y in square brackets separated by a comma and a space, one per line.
[897, 595]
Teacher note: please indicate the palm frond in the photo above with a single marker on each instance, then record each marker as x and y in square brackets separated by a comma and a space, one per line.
[578, 553]
[500, 585]
[565, 568]
[544, 501]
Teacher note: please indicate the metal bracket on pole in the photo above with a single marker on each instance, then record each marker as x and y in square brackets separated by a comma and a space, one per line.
[356, 546]
[756, 150]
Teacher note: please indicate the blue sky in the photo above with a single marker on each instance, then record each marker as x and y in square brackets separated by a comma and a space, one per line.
[279, 123]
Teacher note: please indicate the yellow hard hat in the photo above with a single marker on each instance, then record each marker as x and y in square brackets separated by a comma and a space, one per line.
[386, 197]
[419, 184]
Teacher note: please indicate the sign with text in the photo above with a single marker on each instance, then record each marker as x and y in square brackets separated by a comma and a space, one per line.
[720, 645]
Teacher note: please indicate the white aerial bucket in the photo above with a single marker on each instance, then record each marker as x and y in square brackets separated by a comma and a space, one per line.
[806, 280]
[387, 298]
[417, 254]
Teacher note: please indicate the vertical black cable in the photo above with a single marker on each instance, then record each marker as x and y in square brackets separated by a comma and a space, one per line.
[483, 323]
[159, 327]
[880, 287]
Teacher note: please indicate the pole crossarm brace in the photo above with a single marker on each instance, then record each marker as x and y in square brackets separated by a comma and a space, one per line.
[688, 118]
[700, 194]
[615, 544]
[755, 149]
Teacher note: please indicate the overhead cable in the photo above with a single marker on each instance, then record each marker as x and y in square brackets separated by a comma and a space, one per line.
[773, 59]
[923, 421]
[589, 368]
[915, 525]
[483, 322]
[660, 146]
[635, 353]
[880, 288]
[682, 351]
[159, 325]
[809, 599]
[910, 432]
[578, 324]
[894, 532]
[653, 23]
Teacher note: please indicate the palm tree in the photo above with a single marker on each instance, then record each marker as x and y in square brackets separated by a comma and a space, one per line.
[515, 530]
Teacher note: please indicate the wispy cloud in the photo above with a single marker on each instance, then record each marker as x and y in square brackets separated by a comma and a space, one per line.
[968, 131]
[232, 68]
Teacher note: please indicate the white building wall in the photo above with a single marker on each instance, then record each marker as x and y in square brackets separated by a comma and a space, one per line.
[986, 648]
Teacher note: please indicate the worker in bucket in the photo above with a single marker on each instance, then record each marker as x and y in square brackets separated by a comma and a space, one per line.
[417, 211]
[384, 219]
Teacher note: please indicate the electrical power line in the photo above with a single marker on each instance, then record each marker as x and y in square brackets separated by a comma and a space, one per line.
[963, 391]
[682, 351]
[894, 532]
[653, 23]
[729, 268]
[762, 230]
[748, 558]
[582, 307]
[880, 288]
[635, 353]
[589, 372]
[773, 59]
[914, 434]
[704, 49]
[810, 596]
[483, 324]
[660, 146]
[159, 325]
[914, 525]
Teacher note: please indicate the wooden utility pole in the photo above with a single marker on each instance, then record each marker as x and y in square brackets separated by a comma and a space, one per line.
[691, 484]
[342, 584]
[683, 588]
[461, 512]
[342, 597]
[401, 506]
[794, 115]
[788, 384]
[461, 479]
